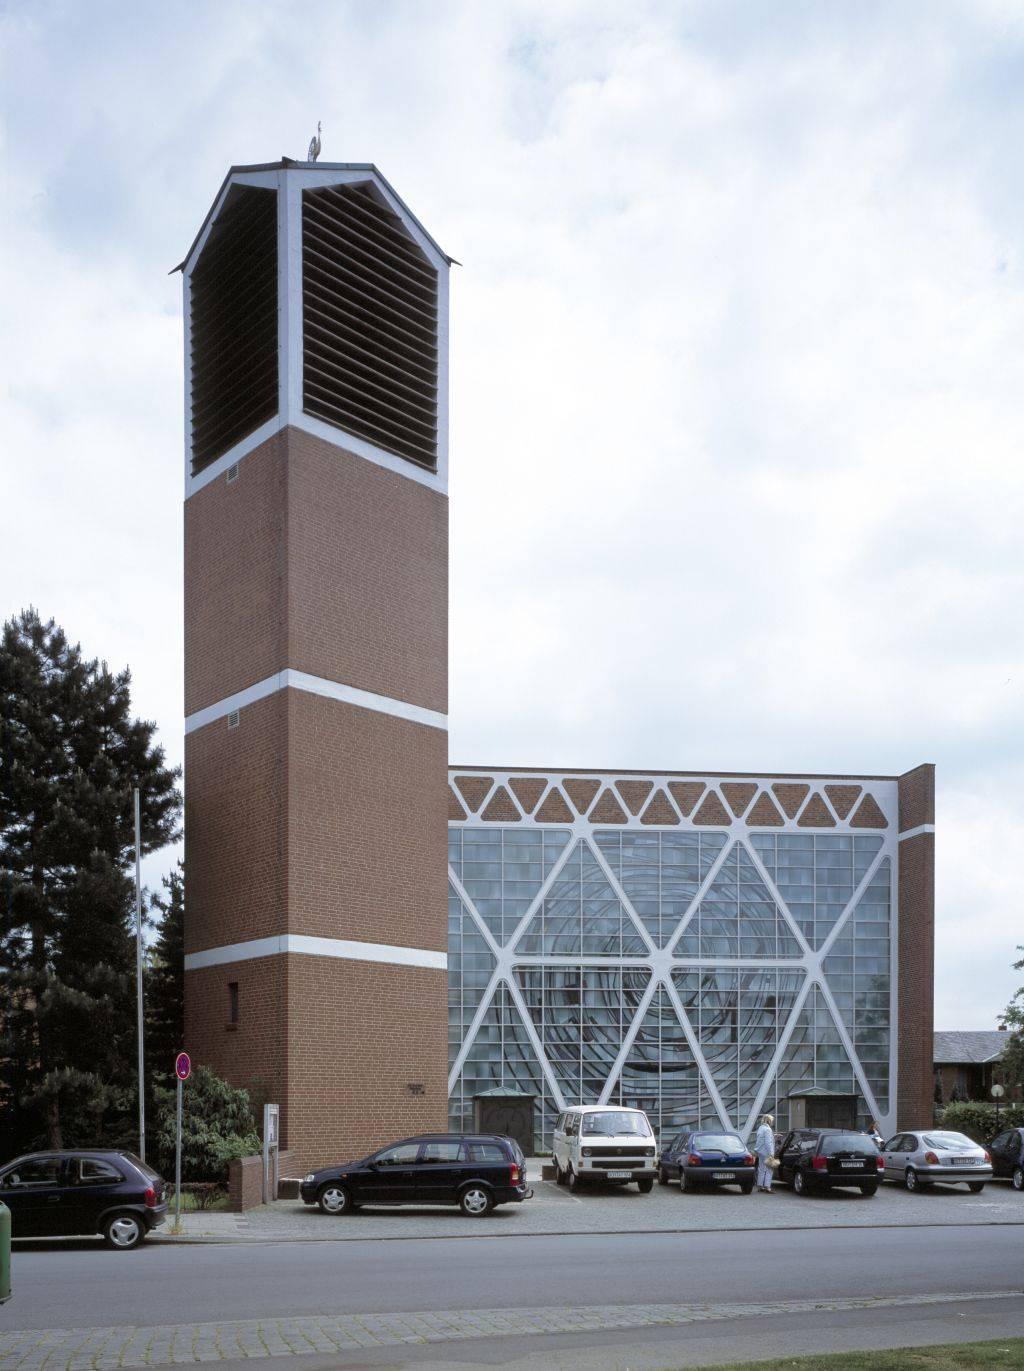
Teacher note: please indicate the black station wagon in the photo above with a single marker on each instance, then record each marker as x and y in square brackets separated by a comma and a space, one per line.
[475, 1171]
[68, 1194]
[813, 1160]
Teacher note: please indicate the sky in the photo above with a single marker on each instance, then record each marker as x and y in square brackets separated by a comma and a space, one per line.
[737, 370]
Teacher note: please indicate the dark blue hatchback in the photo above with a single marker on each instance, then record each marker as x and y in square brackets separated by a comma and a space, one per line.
[706, 1158]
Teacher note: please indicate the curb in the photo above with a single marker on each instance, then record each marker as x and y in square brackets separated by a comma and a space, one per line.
[165, 1240]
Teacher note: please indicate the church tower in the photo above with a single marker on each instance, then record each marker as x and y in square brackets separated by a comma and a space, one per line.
[316, 567]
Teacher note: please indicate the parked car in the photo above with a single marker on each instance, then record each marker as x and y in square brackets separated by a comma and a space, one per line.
[67, 1194]
[921, 1158]
[1008, 1156]
[604, 1143]
[475, 1171]
[706, 1158]
[812, 1160]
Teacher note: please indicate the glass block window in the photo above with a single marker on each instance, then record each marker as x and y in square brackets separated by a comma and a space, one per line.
[503, 869]
[858, 974]
[660, 872]
[470, 968]
[737, 917]
[816, 874]
[581, 915]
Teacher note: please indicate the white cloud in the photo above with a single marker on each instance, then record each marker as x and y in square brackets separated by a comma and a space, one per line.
[737, 368]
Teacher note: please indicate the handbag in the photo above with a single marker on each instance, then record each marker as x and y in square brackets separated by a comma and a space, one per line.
[772, 1163]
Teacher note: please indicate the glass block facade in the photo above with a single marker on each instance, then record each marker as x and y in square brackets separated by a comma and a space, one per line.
[704, 966]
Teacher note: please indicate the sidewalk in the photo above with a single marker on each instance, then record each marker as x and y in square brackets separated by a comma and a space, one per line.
[553, 1211]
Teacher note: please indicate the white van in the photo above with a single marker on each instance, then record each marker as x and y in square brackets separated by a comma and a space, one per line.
[604, 1142]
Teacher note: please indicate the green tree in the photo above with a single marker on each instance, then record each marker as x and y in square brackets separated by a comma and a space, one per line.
[165, 983]
[1011, 1064]
[70, 754]
[217, 1126]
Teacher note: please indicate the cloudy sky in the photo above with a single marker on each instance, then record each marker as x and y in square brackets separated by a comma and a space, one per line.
[738, 369]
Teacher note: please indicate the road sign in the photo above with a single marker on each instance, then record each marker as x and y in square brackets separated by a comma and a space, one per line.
[183, 1066]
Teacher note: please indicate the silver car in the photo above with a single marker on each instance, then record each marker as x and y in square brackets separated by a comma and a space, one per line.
[920, 1159]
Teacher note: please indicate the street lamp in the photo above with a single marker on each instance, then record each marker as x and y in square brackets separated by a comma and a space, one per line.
[997, 1094]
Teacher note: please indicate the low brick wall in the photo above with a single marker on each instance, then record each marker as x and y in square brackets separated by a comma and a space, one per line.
[245, 1180]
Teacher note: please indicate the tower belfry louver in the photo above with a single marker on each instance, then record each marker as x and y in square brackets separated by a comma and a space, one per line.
[316, 565]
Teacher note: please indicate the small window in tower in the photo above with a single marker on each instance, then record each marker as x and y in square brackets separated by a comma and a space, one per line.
[233, 719]
[232, 1004]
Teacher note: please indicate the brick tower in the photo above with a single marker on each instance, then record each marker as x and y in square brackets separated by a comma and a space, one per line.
[316, 565]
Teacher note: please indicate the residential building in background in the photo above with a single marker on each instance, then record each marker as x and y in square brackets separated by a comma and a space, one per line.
[965, 1062]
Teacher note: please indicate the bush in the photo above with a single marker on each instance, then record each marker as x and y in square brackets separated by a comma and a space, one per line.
[977, 1118]
[217, 1126]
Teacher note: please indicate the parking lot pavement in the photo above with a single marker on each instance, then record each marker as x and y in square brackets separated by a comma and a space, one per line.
[619, 1210]
[131, 1346]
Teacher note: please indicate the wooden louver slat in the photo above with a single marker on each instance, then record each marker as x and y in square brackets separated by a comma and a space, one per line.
[233, 325]
[370, 312]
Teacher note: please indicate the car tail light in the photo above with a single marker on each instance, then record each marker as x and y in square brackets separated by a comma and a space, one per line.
[819, 1163]
[748, 1160]
[880, 1162]
[693, 1159]
[931, 1159]
[988, 1156]
[513, 1174]
[150, 1198]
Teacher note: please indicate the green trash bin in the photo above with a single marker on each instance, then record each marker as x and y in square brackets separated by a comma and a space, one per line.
[5, 1252]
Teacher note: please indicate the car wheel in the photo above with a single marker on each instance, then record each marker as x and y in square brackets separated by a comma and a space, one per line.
[559, 1173]
[662, 1176]
[333, 1199]
[975, 1187]
[685, 1184]
[124, 1231]
[910, 1178]
[572, 1181]
[646, 1185]
[476, 1202]
[747, 1187]
[869, 1188]
[800, 1186]
[1018, 1178]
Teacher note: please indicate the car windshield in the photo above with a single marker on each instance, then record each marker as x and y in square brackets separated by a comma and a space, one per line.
[846, 1142]
[947, 1142]
[717, 1142]
[612, 1122]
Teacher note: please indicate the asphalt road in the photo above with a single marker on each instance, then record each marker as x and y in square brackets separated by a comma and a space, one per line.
[86, 1286]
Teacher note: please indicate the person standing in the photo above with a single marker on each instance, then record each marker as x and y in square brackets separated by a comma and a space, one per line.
[764, 1150]
[875, 1134]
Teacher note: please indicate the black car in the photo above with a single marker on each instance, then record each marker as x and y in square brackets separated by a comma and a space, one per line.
[475, 1171]
[66, 1194]
[704, 1157]
[1007, 1151]
[817, 1159]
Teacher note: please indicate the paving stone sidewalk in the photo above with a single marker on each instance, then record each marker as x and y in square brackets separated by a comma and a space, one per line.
[554, 1211]
[102, 1349]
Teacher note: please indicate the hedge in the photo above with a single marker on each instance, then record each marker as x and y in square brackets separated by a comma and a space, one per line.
[977, 1118]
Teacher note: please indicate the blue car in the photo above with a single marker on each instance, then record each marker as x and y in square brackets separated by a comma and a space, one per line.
[704, 1157]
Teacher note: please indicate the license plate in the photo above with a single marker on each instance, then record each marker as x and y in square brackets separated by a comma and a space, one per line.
[852, 1166]
[619, 1175]
[965, 1161]
[723, 1175]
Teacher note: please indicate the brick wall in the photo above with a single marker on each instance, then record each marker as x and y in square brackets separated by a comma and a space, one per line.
[916, 990]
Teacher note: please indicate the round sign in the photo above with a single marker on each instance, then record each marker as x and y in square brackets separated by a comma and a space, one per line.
[183, 1066]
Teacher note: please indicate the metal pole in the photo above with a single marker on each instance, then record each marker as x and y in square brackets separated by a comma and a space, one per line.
[138, 972]
[177, 1164]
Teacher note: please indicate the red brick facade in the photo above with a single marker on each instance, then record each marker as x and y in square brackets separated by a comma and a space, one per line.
[311, 815]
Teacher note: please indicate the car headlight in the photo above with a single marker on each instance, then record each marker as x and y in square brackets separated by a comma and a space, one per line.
[309, 1178]
[649, 1152]
[588, 1151]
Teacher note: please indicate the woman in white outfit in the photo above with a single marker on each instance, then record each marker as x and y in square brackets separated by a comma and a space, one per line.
[764, 1147]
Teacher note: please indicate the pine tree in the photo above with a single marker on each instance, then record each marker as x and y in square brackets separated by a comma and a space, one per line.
[165, 983]
[70, 754]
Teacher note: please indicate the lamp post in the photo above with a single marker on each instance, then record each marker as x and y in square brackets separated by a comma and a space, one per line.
[997, 1094]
